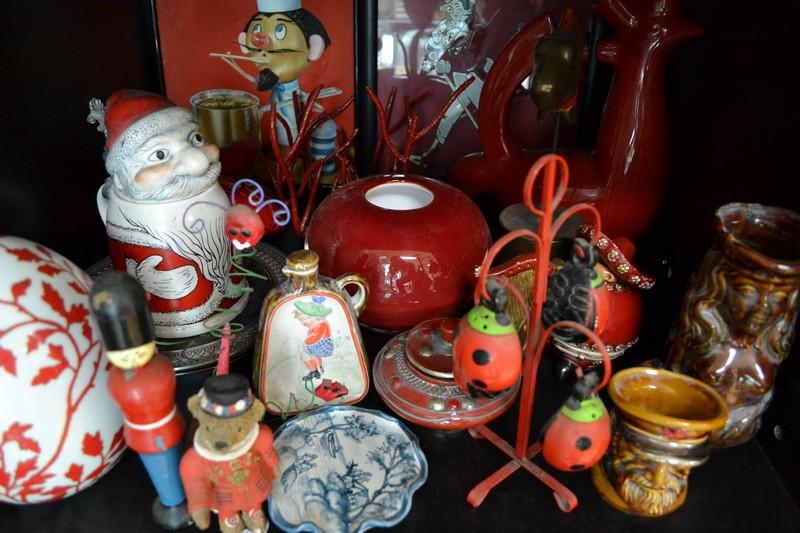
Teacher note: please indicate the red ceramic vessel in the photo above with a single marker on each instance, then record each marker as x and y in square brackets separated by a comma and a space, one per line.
[416, 241]
[625, 176]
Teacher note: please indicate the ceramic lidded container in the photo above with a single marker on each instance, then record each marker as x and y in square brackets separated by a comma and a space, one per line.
[415, 240]
[413, 375]
[59, 429]
[164, 212]
[661, 431]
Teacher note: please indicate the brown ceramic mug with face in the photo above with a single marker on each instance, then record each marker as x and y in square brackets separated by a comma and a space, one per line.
[661, 431]
[739, 312]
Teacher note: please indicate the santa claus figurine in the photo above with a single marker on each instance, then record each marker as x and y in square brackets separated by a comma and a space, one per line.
[164, 211]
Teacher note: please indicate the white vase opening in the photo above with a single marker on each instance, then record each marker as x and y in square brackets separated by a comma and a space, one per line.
[399, 196]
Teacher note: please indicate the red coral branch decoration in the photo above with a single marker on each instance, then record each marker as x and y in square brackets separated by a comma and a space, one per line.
[413, 134]
[287, 157]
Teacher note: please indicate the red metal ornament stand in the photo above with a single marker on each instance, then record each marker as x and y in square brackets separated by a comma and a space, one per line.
[551, 173]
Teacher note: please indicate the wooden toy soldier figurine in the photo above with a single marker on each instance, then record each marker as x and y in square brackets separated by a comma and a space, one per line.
[142, 383]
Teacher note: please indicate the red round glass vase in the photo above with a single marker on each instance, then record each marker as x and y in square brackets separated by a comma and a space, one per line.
[417, 242]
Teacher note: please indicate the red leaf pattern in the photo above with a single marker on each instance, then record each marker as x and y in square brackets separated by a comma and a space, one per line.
[20, 288]
[16, 433]
[24, 255]
[77, 287]
[37, 479]
[87, 331]
[24, 468]
[27, 479]
[27, 490]
[93, 444]
[77, 313]
[47, 374]
[53, 299]
[75, 472]
[8, 361]
[49, 270]
[56, 352]
[96, 472]
[58, 492]
[117, 443]
[37, 338]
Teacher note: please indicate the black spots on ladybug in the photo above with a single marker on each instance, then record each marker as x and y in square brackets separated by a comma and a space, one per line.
[577, 467]
[475, 389]
[481, 357]
[583, 443]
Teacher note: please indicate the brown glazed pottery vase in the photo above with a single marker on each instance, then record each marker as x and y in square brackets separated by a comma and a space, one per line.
[738, 316]
[661, 428]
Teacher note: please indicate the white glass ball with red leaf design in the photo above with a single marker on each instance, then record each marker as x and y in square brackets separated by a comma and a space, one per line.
[243, 227]
[59, 430]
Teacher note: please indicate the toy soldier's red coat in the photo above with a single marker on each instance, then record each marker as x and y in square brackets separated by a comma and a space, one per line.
[229, 483]
[146, 397]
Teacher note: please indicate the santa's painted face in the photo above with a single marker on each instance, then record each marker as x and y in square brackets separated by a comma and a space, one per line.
[172, 165]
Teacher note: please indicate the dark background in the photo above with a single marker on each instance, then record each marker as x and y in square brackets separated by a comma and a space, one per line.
[733, 116]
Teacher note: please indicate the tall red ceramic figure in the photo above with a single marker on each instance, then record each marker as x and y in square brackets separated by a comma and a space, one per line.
[625, 176]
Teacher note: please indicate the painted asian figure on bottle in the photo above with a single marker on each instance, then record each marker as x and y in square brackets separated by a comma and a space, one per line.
[309, 350]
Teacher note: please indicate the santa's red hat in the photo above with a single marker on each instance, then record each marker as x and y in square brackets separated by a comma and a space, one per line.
[129, 118]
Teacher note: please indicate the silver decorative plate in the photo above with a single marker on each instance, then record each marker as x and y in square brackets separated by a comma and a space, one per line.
[200, 352]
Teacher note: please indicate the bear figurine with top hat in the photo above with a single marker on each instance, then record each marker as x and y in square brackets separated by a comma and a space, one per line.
[232, 462]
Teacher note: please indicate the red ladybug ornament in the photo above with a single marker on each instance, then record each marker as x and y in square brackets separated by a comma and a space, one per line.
[487, 354]
[243, 227]
[579, 433]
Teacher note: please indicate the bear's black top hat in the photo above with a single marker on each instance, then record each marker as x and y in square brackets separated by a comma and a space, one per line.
[226, 396]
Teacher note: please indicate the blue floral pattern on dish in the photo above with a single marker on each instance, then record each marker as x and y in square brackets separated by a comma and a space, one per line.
[345, 470]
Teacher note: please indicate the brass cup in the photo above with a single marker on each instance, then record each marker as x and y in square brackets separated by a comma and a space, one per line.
[230, 119]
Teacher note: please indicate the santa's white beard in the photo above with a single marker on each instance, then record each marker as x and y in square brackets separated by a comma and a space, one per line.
[179, 188]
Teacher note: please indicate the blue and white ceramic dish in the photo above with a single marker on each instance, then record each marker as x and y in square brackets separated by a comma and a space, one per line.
[345, 470]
